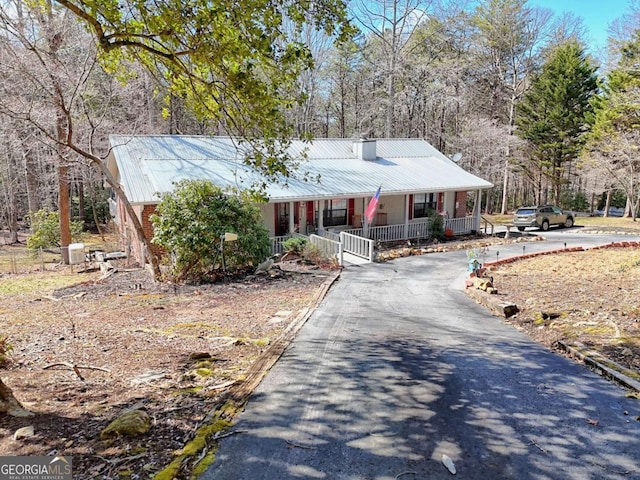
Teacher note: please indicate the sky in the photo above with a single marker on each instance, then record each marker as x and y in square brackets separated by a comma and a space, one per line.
[597, 14]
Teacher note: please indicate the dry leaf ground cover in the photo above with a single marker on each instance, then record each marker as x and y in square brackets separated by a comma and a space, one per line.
[171, 349]
[589, 299]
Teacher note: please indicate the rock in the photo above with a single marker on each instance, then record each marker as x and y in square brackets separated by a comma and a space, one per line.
[264, 267]
[482, 283]
[199, 355]
[130, 423]
[24, 432]
[147, 378]
[510, 310]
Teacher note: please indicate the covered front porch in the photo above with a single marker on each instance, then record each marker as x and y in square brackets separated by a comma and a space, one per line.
[347, 234]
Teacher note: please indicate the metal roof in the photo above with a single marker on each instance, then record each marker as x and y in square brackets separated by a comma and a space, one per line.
[147, 165]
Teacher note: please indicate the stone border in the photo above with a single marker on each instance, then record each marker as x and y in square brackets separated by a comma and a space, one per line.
[199, 453]
[605, 366]
[501, 308]
[560, 250]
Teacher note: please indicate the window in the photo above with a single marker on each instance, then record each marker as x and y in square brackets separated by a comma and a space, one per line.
[282, 218]
[424, 204]
[335, 212]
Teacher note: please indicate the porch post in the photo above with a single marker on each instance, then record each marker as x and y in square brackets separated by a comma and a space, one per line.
[406, 217]
[292, 217]
[478, 211]
[320, 216]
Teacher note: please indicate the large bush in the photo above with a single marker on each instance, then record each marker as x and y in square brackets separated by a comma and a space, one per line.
[190, 222]
[45, 226]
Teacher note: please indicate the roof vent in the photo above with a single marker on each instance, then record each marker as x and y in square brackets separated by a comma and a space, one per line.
[365, 149]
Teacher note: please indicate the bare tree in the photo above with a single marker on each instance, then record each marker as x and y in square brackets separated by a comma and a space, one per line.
[390, 26]
[508, 38]
[51, 55]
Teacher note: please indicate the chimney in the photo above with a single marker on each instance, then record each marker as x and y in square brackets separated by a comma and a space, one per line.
[365, 149]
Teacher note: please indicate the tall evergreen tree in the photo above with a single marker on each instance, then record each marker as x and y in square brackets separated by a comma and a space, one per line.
[552, 116]
[615, 136]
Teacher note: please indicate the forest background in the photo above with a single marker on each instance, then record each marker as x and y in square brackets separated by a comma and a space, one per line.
[509, 85]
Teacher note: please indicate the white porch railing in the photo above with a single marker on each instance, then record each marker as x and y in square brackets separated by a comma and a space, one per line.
[329, 234]
[328, 248]
[358, 246]
[460, 225]
[277, 242]
[392, 233]
[353, 240]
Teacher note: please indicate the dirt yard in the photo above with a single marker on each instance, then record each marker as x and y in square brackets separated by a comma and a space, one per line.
[171, 349]
[588, 299]
[175, 349]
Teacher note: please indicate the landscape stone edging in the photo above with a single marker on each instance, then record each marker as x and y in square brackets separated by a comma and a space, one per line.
[203, 445]
[496, 306]
[560, 250]
[616, 373]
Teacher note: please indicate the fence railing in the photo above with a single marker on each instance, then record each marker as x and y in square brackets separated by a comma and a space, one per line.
[328, 248]
[460, 225]
[357, 245]
[329, 234]
[388, 233]
[392, 233]
[276, 243]
[487, 227]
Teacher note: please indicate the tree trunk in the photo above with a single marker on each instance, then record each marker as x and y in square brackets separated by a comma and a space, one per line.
[64, 209]
[607, 204]
[628, 207]
[505, 186]
[31, 181]
[80, 189]
[12, 207]
[101, 166]
[8, 403]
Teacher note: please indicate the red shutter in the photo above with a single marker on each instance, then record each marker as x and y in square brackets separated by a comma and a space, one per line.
[310, 219]
[440, 201]
[410, 207]
[351, 209]
[276, 223]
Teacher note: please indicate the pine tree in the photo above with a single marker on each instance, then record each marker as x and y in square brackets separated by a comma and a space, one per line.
[552, 116]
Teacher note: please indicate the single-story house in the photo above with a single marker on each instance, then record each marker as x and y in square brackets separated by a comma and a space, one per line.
[415, 178]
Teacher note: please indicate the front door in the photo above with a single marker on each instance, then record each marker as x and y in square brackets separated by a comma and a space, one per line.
[282, 219]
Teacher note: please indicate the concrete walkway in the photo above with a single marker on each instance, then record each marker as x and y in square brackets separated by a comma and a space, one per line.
[398, 367]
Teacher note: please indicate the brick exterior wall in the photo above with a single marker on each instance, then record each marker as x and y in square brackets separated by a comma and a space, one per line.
[131, 245]
[461, 209]
[147, 227]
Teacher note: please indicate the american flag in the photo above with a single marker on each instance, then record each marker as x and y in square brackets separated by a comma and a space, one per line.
[370, 212]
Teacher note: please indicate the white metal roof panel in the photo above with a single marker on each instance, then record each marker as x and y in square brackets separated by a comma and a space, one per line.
[151, 164]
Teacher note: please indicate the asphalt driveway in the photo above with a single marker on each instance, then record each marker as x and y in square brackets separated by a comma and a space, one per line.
[398, 367]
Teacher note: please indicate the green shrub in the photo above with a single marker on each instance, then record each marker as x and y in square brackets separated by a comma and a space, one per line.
[437, 225]
[46, 230]
[295, 245]
[191, 221]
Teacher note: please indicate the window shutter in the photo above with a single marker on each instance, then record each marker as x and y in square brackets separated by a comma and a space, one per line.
[350, 210]
[276, 220]
[310, 219]
[410, 206]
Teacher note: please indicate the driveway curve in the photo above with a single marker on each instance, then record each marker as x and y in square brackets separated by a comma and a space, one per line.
[398, 367]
